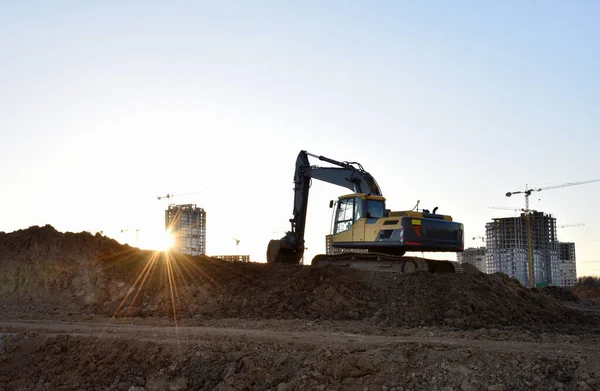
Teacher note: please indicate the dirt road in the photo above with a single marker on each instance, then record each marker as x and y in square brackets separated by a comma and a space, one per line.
[191, 334]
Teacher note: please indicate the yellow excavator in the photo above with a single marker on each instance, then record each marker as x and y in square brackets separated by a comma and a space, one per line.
[362, 222]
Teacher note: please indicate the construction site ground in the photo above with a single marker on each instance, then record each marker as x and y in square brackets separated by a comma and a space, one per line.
[83, 312]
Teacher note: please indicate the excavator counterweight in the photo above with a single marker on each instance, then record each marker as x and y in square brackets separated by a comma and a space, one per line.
[371, 236]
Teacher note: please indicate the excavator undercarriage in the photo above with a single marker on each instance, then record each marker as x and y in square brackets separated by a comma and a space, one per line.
[387, 263]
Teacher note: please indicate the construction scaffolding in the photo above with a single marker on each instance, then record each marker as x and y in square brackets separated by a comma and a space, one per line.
[512, 241]
[187, 224]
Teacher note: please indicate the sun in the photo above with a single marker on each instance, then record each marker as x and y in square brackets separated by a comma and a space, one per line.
[157, 240]
[165, 241]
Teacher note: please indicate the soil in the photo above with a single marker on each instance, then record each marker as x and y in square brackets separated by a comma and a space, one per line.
[561, 293]
[83, 312]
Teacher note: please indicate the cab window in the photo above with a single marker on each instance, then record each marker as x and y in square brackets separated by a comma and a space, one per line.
[358, 209]
[345, 215]
[375, 208]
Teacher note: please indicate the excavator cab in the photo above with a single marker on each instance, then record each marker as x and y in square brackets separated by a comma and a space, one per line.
[354, 207]
[361, 221]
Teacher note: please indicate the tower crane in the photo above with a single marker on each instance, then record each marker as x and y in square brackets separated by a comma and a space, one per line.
[508, 208]
[569, 225]
[527, 192]
[237, 243]
[169, 196]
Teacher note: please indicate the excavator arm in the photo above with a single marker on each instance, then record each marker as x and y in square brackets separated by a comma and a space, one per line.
[351, 175]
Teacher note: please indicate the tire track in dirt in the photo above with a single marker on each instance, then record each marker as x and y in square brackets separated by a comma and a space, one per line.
[191, 334]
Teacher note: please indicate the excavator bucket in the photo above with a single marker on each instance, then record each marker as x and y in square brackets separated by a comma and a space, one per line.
[278, 253]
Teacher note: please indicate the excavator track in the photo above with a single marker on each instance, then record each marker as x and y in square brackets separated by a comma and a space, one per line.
[387, 263]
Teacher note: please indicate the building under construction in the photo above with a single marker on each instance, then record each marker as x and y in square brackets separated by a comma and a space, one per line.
[512, 241]
[330, 250]
[473, 256]
[187, 224]
[565, 273]
[234, 258]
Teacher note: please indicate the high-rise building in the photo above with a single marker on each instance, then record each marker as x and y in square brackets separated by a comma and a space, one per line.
[330, 250]
[474, 256]
[564, 273]
[508, 247]
[187, 224]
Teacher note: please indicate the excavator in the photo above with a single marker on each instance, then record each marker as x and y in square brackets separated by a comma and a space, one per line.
[372, 237]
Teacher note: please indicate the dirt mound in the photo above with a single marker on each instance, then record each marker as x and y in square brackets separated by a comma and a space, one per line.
[48, 271]
[560, 293]
[591, 293]
[43, 271]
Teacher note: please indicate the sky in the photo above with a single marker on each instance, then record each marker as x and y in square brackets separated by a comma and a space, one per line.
[104, 106]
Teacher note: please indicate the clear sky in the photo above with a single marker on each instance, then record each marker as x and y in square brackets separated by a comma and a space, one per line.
[106, 105]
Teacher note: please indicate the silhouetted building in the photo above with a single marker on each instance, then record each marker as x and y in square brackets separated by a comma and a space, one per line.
[187, 224]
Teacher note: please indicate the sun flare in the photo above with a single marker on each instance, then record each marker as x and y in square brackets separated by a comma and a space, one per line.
[165, 241]
[156, 240]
